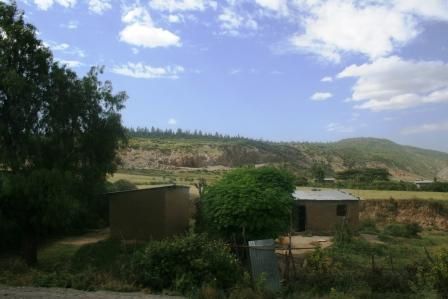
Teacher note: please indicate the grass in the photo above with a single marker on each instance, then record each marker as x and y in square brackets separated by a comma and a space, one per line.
[88, 267]
[388, 194]
[345, 270]
[398, 195]
[148, 177]
[363, 269]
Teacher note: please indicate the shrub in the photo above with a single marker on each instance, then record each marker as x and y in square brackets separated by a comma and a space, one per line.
[368, 226]
[408, 230]
[439, 273]
[343, 234]
[120, 185]
[185, 264]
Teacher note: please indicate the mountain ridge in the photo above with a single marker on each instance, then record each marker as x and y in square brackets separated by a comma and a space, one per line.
[192, 151]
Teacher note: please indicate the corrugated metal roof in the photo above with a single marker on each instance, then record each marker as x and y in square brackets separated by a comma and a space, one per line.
[322, 195]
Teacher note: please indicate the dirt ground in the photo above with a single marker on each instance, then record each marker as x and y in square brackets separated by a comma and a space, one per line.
[302, 244]
[87, 238]
[54, 293]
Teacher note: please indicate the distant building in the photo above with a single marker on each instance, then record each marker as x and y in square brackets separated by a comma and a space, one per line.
[421, 183]
[152, 213]
[319, 210]
[329, 180]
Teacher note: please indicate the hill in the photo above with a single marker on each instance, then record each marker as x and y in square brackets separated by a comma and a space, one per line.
[214, 152]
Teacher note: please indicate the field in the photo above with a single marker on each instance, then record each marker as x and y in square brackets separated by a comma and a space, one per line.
[398, 195]
[147, 178]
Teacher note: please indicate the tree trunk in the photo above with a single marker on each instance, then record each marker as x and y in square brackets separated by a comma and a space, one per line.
[29, 248]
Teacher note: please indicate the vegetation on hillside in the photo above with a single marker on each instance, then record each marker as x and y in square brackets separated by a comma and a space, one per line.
[163, 149]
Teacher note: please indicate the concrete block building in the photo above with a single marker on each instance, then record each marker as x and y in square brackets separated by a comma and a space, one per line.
[149, 214]
[319, 210]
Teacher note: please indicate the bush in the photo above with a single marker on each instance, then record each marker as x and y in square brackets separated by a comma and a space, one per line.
[368, 226]
[120, 185]
[408, 230]
[249, 203]
[185, 264]
[343, 234]
[439, 273]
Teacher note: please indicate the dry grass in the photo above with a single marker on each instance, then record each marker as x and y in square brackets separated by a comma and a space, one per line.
[399, 195]
[387, 194]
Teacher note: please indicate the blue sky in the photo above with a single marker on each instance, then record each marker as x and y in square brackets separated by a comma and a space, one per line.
[302, 70]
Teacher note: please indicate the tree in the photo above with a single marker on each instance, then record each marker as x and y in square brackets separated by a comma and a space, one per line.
[59, 135]
[249, 203]
[318, 171]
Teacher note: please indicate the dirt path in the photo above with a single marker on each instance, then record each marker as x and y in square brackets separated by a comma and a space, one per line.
[87, 238]
[54, 293]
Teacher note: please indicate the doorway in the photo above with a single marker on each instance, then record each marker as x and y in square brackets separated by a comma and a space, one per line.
[301, 213]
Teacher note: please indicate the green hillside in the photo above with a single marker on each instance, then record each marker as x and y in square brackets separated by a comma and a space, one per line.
[217, 152]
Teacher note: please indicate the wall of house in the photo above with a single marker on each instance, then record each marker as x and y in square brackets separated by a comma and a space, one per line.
[321, 216]
[177, 211]
[148, 213]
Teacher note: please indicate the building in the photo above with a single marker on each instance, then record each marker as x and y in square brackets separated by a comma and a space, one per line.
[329, 180]
[421, 183]
[147, 214]
[319, 210]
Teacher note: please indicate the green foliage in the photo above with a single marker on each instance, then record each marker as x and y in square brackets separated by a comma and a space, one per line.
[343, 234]
[439, 273]
[318, 171]
[436, 187]
[364, 174]
[250, 203]
[120, 185]
[185, 264]
[377, 185]
[408, 230]
[368, 226]
[59, 136]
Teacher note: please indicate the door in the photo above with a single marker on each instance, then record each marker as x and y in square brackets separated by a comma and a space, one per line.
[301, 225]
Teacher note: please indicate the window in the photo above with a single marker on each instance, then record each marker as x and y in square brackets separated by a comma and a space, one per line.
[341, 210]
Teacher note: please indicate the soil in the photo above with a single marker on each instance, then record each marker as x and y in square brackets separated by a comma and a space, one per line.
[92, 236]
[53, 293]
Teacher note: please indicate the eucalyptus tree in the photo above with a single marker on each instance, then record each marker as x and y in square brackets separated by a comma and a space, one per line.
[59, 134]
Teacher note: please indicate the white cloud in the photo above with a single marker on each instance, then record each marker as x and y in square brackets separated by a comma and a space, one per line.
[426, 128]
[431, 9]
[392, 83]
[64, 48]
[140, 30]
[326, 79]
[235, 71]
[46, 4]
[71, 63]
[182, 5]
[339, 128]
[374, 28]
[174, 18]
[279, 6]
[99, 6]
[172, 121]
[57, 46]
[143, 71]
[321, 96]
[232, 23]
[72, 25]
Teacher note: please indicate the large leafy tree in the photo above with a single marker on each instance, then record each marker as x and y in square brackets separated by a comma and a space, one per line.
[249, 203]
[59, 134]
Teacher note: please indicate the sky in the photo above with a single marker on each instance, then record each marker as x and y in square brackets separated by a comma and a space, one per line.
[280, 70]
